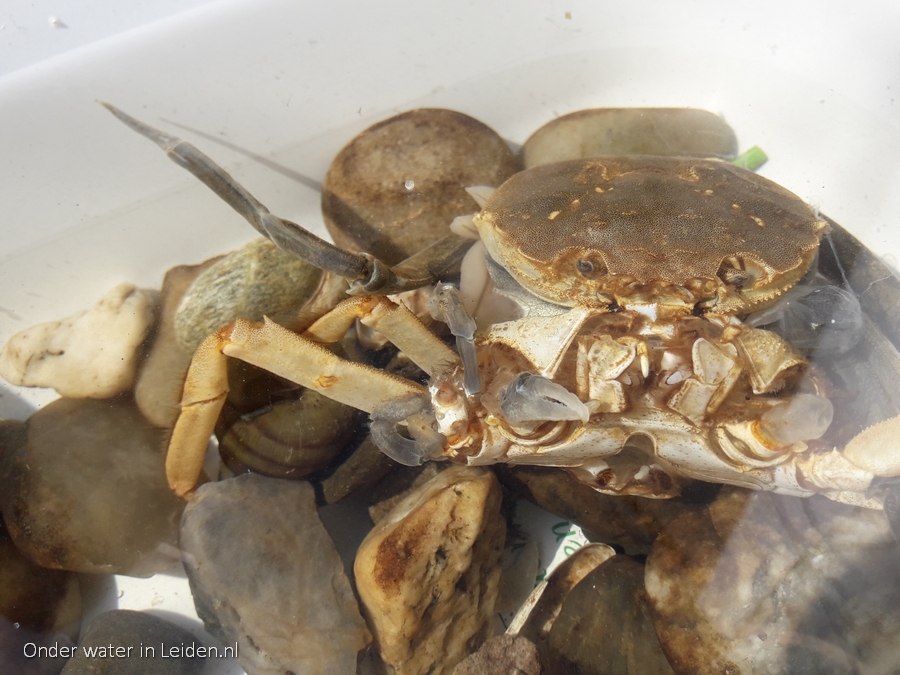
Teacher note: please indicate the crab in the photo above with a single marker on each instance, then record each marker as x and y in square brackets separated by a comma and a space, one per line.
[621, 354]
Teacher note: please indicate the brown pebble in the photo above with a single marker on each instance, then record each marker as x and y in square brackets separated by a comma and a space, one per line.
[396, 187]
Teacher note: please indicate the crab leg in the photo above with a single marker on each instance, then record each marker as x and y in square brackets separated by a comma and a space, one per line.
[369, 275]
[282, 352]
[394, 321]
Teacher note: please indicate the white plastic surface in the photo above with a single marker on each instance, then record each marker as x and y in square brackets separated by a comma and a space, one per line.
[272, 89]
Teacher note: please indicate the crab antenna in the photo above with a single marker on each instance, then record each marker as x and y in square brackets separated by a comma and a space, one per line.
[448, 305]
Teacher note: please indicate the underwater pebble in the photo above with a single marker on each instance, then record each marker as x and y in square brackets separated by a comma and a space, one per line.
[630, 522]
[265, 574]
[364, 467]
[133, 632]
[89, 354]
[398, 485]
[257, 280]
[396, 187]
[759, 582]
[502, 654]
[38, 607]
[604, 625]
[537, 614]
[161, 377]
[428, 574]
[613, 132]
[88, 493]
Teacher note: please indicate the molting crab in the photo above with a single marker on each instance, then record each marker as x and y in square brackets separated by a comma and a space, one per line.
[609, 294]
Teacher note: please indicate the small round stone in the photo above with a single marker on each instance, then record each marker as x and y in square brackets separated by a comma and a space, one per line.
[396, 187]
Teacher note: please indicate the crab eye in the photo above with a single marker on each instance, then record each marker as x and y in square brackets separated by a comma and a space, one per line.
[590, 268]
[741, 272]
[733, 276]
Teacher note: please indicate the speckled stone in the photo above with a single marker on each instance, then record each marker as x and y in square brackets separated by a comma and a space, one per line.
[88, 493]
[265, 574]
[120, 640]
[257, 280]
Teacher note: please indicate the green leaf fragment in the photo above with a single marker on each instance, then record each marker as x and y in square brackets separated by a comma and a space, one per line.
[752, 159]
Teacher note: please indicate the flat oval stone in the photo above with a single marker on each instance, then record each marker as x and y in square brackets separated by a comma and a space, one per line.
[397, 186]
[613, 132]
[537, 615]
[88, 492]
[265, 574]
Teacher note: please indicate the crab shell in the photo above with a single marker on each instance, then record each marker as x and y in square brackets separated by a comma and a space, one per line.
[666, 231]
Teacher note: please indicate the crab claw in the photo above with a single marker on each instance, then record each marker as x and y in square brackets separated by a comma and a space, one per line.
[846, 475]
[877, 449]
[532, 398]
[802, 418]
[892, 509]
[426, 443]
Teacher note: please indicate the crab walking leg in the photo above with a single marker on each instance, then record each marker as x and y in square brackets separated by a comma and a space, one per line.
[369, 275]
[394, 321]
[279, 351]
[205, 389]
